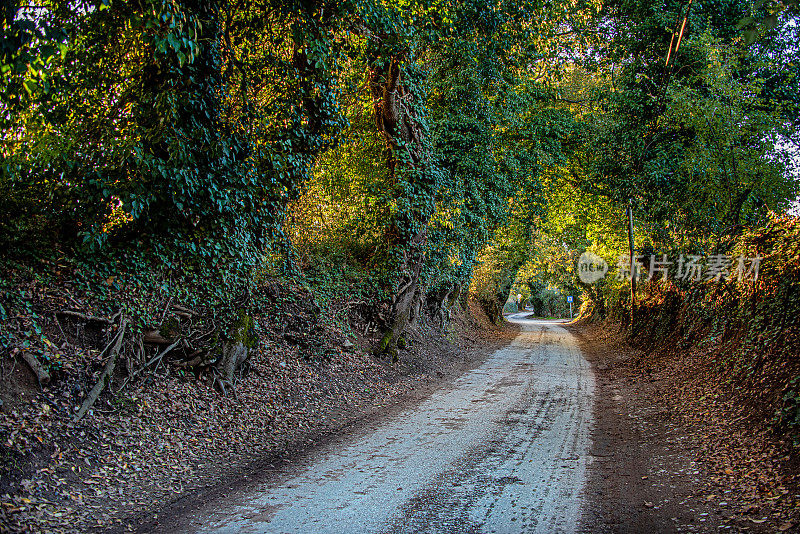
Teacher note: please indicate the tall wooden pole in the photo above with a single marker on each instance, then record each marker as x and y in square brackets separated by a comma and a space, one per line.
[633, 261]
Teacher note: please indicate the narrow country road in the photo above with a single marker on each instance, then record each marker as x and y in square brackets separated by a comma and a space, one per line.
[503, 449]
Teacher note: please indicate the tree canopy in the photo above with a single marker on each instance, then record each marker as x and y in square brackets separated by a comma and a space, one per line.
[421, 146]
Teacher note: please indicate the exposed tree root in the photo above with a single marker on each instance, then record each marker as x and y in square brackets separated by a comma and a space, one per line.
[105, 376]
[38, 369]
[85, 317]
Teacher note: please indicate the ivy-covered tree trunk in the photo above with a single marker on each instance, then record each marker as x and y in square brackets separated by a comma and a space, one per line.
[441, 301]
[236, 350]
[406, 159]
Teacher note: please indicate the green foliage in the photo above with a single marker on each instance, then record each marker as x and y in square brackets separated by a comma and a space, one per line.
[701, 143]
[190, 149]
[168, 143]
[765, 17]
[749, 328]
[486, 135]
[497, 267]
[702, 147]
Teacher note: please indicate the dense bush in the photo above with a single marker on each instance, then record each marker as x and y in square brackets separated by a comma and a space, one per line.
[752, 326]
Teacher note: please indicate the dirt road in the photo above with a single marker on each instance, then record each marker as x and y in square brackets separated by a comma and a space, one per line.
[504, 448]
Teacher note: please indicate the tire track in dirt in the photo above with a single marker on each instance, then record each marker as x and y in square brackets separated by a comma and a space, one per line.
[504, 448]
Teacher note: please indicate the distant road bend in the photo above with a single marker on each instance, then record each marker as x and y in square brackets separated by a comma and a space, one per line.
[502, 449]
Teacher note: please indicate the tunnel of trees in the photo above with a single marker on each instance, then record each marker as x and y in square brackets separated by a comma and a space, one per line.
[408, 154]
[227, 226]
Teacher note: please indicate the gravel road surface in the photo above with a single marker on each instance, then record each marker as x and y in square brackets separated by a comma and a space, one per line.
[502, 449]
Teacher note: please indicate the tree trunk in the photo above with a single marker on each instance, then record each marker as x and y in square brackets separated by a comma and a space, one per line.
[407, 235]
[407, 297]
[442, 301]
[236, 351]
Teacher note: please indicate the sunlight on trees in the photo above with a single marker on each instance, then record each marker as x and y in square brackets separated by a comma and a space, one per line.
[421, 148]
